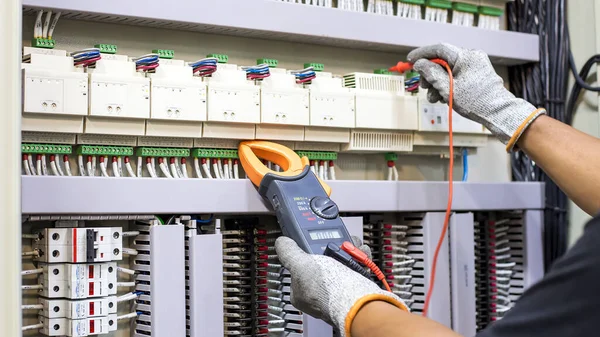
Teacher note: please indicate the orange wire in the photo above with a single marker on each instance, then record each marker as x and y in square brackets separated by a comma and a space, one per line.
[450, 179]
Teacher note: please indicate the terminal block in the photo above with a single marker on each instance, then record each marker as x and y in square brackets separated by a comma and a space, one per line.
[78, 309]
[78, 281]
[215, 153]
[80, 327]
[107, 48]
[316, 66]
[95, 150]
[442, 4]
[43, 43]
[73, 245]
[46, 149]
[221, 58]
[490, 11]
[162, 152]
[272, 63]
[391, 156]
[164, 53]
[318, 155]
[382, 71]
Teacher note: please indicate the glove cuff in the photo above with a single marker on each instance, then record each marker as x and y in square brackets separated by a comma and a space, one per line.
[385, 297]
[517, 134]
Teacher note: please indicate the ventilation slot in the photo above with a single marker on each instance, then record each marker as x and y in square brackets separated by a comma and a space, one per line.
[366, 141]
[375, 82]
[143, 324]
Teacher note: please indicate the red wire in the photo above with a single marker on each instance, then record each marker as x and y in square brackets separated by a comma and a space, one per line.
[450, 179]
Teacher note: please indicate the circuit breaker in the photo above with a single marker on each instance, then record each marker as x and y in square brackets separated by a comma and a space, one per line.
[177, 101]
[55, 92]
[381, 102]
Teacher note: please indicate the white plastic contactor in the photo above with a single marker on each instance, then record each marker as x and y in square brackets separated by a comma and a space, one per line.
[78, 281]
[80, 245]
[282, 100]
[381, 102]
[331, 105]
[176, 99]
[55, 92]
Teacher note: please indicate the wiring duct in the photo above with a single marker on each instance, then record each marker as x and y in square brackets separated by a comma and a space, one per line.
[544, 84]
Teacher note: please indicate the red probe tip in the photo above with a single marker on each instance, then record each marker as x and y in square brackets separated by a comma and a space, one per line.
[402, 67]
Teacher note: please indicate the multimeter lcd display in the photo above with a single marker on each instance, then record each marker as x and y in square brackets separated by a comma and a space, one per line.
[325, 234]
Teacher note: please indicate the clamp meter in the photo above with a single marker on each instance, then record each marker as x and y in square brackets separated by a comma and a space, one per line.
[300, 200]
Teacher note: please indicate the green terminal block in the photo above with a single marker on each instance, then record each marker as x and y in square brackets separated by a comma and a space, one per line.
[464, 7]
[318, 155]
[382, 71]
[316, 66]
[43, 43]
[164, 53]
[221, 58]
[391, 156]
[162, 152]
[413, 2]
[215, 153]
[491, 11]
[107, 48]
[98, 150]
[46, 149]
[443, 4]
[272, 63]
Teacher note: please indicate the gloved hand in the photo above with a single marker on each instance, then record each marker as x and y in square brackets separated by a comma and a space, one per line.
[324, 288]
[479, 93]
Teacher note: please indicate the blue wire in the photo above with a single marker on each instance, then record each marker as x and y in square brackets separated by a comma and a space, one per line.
[86, 55]
[305, 75]
[151, 59]
[465, 155]
[209, 220]
[203, 63]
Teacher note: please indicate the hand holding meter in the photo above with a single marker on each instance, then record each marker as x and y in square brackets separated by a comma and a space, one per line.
[300, 200]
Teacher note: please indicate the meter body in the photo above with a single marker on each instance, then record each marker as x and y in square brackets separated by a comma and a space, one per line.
[304, 211]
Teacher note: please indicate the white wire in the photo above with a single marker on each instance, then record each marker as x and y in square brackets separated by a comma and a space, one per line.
[390, 173]
[32, 287]
[32, 307]
[312, 169]
[150, 170]
[44, 167]
[236, 171]
[46, 25]
[32, 271]
[81, 167]
[173, 170]
[37, 27]
[226, 171]
[230, 166]
[197, 168]
[127, 297]
[220, 166]
[128, 316]
[332, 172]
[32, 327]
[30, 236]
[139, 167]
[129, 251]
[315, 169]
[126, 270]
[120, 166]
[31, 164]
[26, 167]
[325, 175]
[129, 169]
[68, 168]
[395, 169]
[182, 170]
[321, 176]
[217, 172]
[130, 233]
[125, 284]
[57, 161]
[103, 169]
[115, 167]
[89, 169]
[53, 25]
[206, 169]
[94, 165]
[164, 170]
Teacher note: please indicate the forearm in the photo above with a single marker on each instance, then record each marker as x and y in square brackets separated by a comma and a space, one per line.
[380, 319]
[570, 157]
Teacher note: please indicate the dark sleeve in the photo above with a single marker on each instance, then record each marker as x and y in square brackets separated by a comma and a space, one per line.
[565, 302]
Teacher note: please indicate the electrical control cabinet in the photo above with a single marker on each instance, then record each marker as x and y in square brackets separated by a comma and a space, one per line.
[331, 105]
[232, 98]
[282, 100]
[175, 94]
[381, 102]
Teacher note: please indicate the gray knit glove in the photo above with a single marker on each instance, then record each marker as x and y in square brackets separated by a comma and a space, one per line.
[479, 93]
[325, 289]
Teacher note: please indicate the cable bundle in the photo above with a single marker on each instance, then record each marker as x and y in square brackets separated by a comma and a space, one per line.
[322, 3]
[436, 14]
[257, 72]
[304, 76]
[384, 7]
[146, 63]
[204, 67]
[351, 5]
[45, 30]
[86, 57]
[543, 84]
[410, 9]
[412, 83]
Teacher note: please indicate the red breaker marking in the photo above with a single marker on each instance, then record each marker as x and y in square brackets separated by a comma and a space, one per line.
[91, 288]
[74, 244]
[91, 272]
[92, 327]
[91, 308]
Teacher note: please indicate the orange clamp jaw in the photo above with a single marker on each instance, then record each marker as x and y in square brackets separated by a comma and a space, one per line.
[251, 153]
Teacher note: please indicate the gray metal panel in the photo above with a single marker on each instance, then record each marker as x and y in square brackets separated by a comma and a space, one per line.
[462, 259]
[85, 195]
[206, 285]
[168, 280]
[308, 24]
[533, 261]
[316, 328]
[354, 225]
[439, 308]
